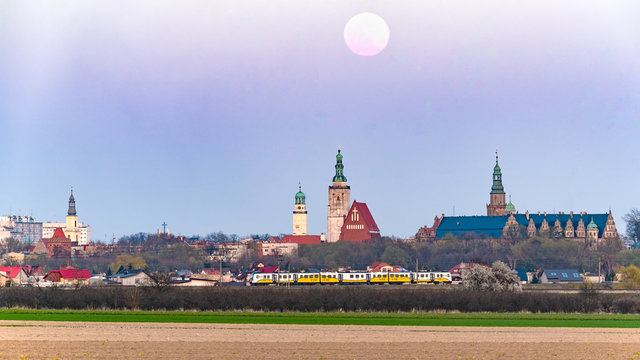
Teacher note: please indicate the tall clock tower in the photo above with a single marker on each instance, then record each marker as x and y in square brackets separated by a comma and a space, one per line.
[300, 214]
[339, 194]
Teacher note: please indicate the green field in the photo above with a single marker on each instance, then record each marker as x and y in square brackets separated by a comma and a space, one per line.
[397, 319]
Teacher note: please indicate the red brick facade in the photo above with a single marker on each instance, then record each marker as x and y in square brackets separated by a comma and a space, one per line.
[359, 225]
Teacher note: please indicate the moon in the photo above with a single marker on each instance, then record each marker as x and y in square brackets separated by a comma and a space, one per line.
[366, 34]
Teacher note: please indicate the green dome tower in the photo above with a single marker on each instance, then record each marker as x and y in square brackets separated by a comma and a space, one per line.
[300, 213]
[497, 204]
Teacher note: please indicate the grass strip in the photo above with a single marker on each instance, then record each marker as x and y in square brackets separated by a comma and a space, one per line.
[393, 319]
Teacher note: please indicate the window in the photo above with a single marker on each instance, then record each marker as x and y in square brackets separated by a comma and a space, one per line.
[565, 275]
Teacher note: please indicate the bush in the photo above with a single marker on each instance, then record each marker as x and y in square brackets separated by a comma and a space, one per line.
[499, 277]
[310, 299]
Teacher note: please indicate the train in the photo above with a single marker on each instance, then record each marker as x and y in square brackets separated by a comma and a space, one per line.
[350, 278]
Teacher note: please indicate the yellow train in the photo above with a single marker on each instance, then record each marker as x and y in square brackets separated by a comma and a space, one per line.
[351, 277]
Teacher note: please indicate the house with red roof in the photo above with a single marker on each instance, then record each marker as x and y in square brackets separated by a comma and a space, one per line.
[384, 267]
[69, 275]
[359, 225]
[13, 274]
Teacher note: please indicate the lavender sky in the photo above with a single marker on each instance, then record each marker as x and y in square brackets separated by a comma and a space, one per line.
[207, 114]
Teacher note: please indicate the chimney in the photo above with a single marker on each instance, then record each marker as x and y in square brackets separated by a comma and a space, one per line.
[571, 214]
[527, 214]
[545, 213]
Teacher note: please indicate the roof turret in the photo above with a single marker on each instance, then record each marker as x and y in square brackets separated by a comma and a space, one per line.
[300, 197]
[72, 205]
[592, 225]
[510, 208]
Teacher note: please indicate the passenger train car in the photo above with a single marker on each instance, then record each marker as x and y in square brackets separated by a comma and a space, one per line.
[351, 277]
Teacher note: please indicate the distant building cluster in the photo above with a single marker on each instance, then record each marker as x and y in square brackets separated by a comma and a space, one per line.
[29, 231]
[346, 220]
[503, 221]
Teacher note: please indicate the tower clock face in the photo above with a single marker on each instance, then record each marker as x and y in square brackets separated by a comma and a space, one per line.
[299, 207]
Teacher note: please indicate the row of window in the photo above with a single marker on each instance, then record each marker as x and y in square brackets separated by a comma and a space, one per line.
[355, 227]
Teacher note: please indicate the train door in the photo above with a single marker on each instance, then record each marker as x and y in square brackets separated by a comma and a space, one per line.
[368, 277]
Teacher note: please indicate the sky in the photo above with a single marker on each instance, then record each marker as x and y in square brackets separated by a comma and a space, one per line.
[207, 114]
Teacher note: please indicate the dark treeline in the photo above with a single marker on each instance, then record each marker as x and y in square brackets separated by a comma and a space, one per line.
[530, 254]
[309, 299]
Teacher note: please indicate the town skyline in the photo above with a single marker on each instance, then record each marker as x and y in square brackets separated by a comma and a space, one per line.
[211, 125]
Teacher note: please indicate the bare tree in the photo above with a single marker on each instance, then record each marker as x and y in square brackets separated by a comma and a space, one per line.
[633, 226]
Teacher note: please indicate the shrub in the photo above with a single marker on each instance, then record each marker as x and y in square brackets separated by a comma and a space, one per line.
[499, 277]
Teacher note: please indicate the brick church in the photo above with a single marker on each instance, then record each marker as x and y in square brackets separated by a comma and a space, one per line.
[346, 223]
[359, 225]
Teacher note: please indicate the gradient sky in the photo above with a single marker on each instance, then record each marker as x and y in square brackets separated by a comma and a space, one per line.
[206, 114]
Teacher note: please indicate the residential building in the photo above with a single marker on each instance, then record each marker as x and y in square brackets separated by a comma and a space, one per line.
[131, 278]
[274, 249]
[14, 275]
[69, 275]
[22, 228]
[560, 276]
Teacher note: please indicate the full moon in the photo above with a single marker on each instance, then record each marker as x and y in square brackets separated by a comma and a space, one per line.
[366, 34]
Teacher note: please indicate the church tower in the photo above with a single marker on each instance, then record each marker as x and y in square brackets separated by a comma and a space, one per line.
[497, 205]
[300, 214]
[339, 202]
[72, 230]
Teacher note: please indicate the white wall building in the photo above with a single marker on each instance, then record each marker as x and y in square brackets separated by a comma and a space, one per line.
[49, 227]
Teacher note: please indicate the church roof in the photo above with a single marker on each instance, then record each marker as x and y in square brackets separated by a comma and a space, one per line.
[493, 225]
[366, 215]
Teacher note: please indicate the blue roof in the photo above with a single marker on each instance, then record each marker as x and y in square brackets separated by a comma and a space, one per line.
[481, 225]
[124, 274]
[493, 225]
[522, 274]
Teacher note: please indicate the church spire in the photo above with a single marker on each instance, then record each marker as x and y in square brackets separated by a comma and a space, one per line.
[497, 187]
[72, 205]
[339, 169]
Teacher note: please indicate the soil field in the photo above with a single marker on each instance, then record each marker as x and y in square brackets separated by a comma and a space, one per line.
[75, 340]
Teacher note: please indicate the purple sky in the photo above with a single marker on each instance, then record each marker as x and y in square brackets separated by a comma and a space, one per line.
[207, 114]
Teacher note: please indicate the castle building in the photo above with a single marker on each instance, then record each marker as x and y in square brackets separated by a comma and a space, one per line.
[339, 194]
[497, 205]
[300, 214]
[589, 229]
[359, 224]
[504, 221]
